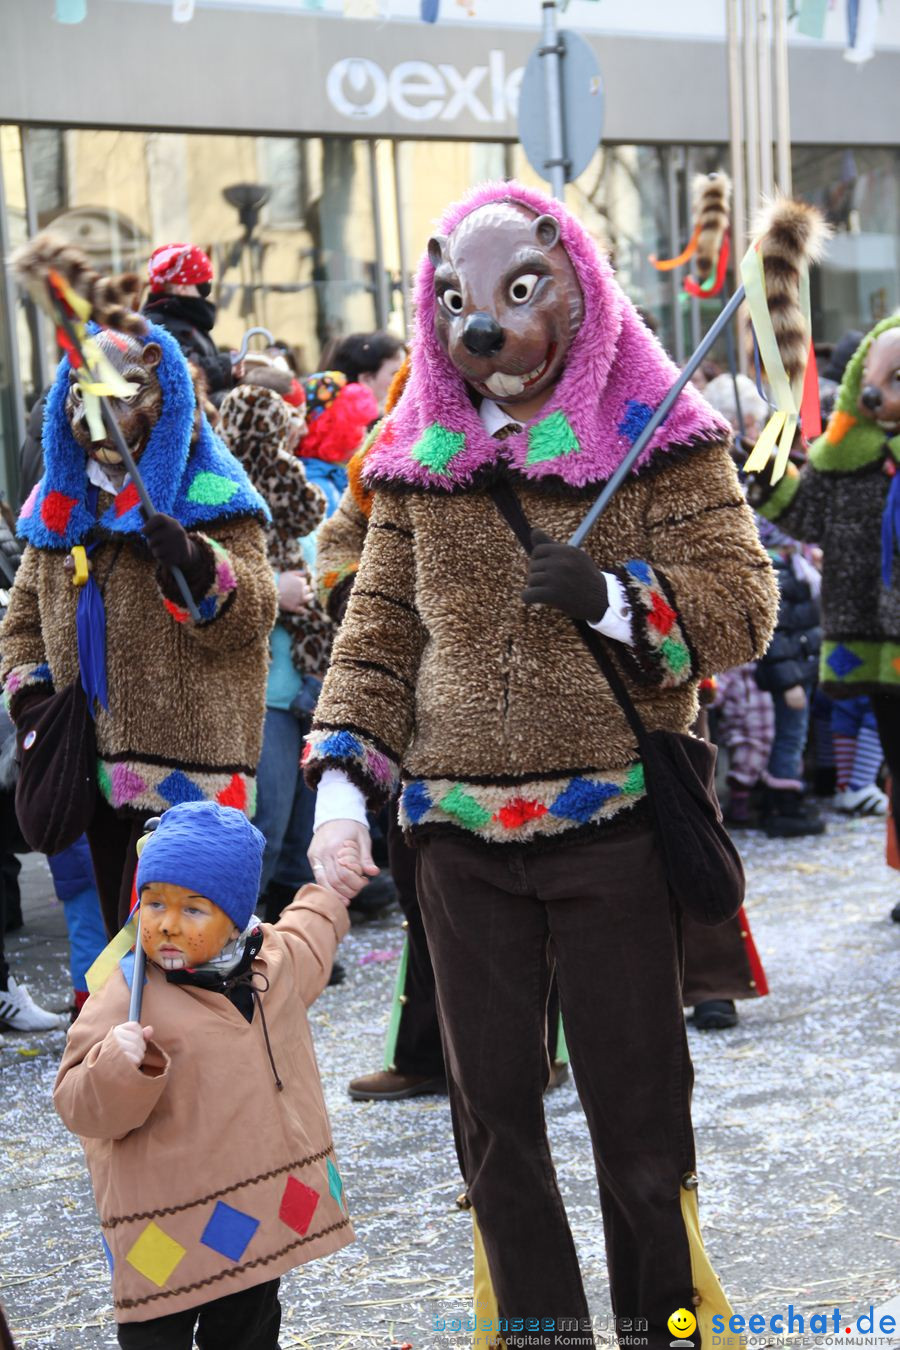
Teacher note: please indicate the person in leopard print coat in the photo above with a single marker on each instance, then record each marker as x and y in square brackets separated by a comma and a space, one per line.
[261, 429]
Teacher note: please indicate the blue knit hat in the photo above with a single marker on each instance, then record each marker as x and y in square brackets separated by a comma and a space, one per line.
[210, 849]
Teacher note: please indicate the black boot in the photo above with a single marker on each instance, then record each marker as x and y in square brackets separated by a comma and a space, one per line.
[788, 815]
[715, 1014]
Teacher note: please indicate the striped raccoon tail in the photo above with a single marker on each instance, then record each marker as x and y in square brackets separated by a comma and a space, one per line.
[791, 233]
[712, 206]
[113, 300]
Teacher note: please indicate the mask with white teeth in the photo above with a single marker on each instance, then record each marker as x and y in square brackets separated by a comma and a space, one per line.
[508, 302]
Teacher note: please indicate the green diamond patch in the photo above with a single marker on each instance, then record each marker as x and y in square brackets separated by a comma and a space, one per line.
[551, 438]
[437, 446]
[211, 489]
[466, 809]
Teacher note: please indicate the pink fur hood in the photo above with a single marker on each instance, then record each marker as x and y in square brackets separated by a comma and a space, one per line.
[616, 375]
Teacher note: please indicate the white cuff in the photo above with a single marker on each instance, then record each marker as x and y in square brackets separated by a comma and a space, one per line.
[616, 622]
[338, 799]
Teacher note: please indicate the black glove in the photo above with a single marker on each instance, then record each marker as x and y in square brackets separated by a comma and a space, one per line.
[172, 546]
[565, 578]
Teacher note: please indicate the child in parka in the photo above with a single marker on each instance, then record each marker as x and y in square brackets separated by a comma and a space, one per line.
[205, 1129]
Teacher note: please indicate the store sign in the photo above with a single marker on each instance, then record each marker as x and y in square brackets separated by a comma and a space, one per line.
[420, 91]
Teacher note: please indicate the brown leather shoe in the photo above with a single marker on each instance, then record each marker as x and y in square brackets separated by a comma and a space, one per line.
[388, 1086]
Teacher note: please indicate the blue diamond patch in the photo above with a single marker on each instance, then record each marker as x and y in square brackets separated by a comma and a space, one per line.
[637, 415]
[641, 572]
[229, 1231]
[581, 799]
[843, 660]
[107, 1253]
[341, 745]
[176, 787]
[416, 801]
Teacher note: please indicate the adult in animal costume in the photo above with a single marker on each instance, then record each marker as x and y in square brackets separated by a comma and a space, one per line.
[177, 704]
[521, 783]
[847, 499]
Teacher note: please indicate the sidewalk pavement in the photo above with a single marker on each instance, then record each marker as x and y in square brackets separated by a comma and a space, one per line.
[795, 1111]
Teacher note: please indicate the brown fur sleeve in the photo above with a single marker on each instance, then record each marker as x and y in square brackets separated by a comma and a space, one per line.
[23, 659]
[366, 711]
[339, 547]
[704, 598]
[240, 605]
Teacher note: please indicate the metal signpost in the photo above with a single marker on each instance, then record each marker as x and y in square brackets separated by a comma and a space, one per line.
[560, 104]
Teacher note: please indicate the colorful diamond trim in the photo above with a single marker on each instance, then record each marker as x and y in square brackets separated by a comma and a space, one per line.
[524, 810]
[354, 753]
[156, 787]
[660, 649]
[224, 584]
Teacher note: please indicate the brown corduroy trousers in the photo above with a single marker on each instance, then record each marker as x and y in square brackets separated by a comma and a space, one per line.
[600, 910]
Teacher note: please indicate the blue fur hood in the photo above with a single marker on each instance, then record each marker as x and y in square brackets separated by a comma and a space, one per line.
[198, 484]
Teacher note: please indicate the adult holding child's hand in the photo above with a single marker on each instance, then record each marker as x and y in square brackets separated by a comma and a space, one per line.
[341, 856]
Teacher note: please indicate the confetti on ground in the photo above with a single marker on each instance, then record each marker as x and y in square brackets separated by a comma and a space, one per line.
[795, 1112]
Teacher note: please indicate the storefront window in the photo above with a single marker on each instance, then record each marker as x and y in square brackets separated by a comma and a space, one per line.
[858, 282]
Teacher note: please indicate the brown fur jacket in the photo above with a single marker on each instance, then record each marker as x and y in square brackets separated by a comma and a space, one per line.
[493, 710]
[186, 700]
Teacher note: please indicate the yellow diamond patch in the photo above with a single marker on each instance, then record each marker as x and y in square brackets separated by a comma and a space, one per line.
[155, 1255]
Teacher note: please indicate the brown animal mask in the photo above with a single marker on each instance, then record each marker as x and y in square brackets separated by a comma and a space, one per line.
[509, 302]
[879, 400]
[137, 415]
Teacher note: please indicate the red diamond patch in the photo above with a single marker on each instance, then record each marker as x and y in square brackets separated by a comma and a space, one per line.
[235, 794]
[298, 1204]
[519, 812]
[56, 508]
[126, 499]
[662, 616]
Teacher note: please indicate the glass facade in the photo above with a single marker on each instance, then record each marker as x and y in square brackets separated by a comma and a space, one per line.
[317, 236]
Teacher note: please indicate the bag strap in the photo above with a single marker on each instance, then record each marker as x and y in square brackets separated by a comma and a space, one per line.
[510, 508]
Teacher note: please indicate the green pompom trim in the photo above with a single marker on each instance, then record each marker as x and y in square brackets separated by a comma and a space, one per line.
[103, 780]
[551, 438]
[212, 489]
[634, 779]
[437, 446]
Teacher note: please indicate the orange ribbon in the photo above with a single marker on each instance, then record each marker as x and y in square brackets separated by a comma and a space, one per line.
[669, 264]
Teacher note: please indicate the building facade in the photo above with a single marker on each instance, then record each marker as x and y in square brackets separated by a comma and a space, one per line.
[310, 153]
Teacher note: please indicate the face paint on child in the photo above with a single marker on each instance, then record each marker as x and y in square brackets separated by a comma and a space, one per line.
[181, 929]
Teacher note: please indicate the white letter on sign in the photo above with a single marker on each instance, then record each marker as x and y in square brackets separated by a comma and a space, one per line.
[463, 88]
[417, 79]
[357, 87]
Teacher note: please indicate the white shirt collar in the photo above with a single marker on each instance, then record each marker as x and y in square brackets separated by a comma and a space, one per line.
[101, 479]
[493, 418]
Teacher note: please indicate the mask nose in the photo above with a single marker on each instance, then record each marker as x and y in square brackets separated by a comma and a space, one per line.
[483, 335]
[871, 397]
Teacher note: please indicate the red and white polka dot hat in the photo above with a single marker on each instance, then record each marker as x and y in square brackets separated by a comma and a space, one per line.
[178, 265]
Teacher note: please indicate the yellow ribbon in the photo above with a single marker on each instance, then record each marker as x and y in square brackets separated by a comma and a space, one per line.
[111, 955]
[782, 425]
[98, 377]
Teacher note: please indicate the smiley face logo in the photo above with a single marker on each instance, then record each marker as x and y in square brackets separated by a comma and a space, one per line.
[682, 1323]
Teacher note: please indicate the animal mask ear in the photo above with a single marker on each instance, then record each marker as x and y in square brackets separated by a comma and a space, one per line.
[546, 231]
[151, 355]
[436, 245]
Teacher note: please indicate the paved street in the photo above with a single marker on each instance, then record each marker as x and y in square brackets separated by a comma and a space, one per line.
[796, 1115]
